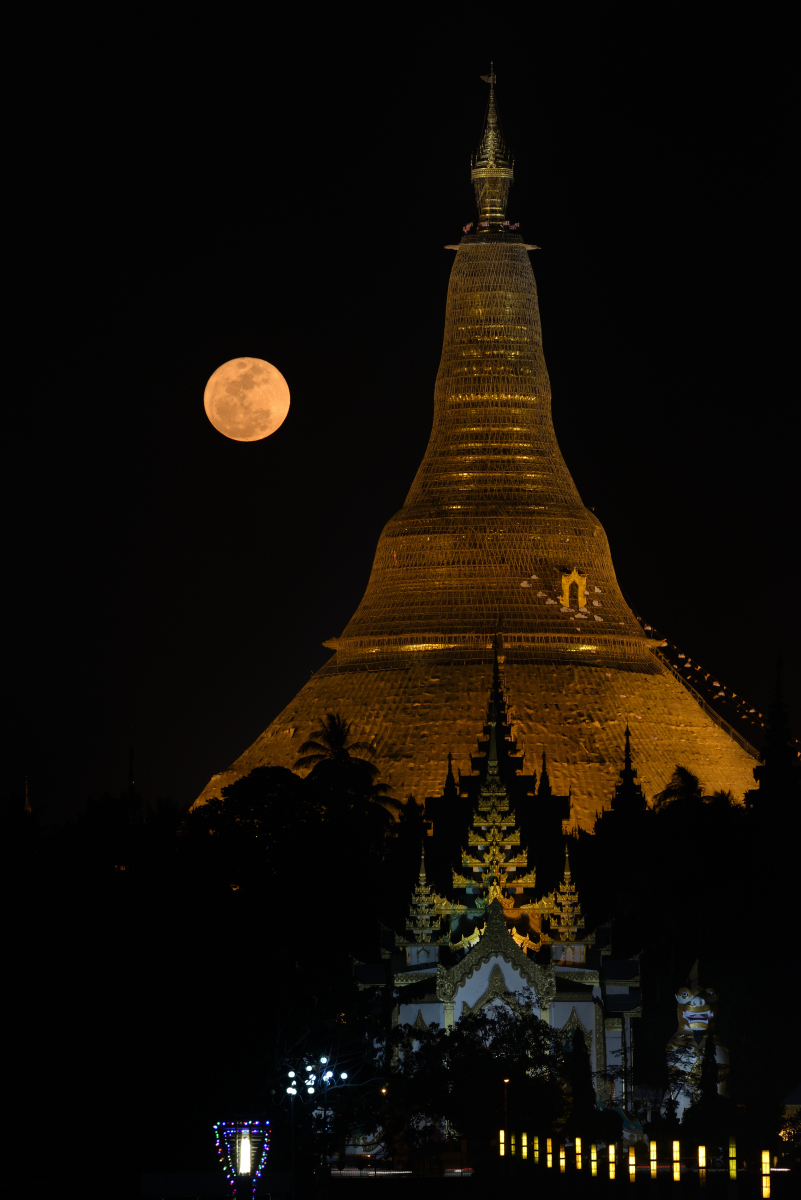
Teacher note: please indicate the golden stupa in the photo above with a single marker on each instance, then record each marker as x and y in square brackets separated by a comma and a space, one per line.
[494, 546]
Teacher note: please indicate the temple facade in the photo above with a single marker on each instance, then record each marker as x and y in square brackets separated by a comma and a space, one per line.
[494, 544]
[498, 940]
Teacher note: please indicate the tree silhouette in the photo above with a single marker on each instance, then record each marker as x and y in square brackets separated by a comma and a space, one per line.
[683, 789]
[576, 1070]
[330, 743]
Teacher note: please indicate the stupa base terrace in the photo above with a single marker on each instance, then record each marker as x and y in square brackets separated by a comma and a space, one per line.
[428, 705]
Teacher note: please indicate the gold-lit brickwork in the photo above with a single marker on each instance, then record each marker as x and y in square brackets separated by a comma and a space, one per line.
[493, 521]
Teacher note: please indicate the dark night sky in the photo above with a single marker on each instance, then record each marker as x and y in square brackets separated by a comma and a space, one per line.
[189, 192]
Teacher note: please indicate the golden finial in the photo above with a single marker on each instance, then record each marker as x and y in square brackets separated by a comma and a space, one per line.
[566, 915]
[492, 166]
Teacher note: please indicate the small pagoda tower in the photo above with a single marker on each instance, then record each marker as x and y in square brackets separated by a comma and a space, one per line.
[629, 805]
[428, 913]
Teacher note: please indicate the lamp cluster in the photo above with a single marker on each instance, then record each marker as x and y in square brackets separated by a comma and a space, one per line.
[314, 1077]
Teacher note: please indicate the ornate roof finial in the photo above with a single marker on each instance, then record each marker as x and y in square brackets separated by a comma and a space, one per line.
[450, 790]
[426, 912]
[544, 789]
[629, 797]
[566, 916]
[492, 166]
[492, 753]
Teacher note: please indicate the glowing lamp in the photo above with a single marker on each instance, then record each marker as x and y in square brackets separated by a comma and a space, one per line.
[502, 1142]
[632, 1164]
[323, 1061]
[343, 1075]
[242, 1150]
[243, 1166]
[765, 1174]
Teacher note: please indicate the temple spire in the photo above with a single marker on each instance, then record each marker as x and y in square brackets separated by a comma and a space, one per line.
[566, 918]
[492, 166]
[451, 792]
[629, 797]
[424, 923]
[545, 783]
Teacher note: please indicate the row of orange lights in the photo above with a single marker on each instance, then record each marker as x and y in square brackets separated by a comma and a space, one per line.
[632, 1164]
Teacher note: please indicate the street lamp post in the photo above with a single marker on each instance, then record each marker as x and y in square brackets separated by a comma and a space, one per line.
[242, 1149]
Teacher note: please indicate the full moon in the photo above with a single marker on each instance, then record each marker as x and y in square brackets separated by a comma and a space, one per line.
[246, 399]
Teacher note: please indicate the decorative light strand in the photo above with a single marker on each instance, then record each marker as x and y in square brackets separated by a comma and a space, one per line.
[225, 1134]
[699, 678]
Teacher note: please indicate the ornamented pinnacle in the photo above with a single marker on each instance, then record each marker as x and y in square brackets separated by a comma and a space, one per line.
[565, 914]
[426, 911]
[492, 166]
[629, 797]
[494, 834]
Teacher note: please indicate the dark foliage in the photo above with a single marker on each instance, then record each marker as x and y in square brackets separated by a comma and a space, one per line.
[458, 1078]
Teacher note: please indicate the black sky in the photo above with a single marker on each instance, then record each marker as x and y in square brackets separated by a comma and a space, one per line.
[192, 189]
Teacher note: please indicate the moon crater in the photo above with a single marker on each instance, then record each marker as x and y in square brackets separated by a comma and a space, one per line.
[246, 399]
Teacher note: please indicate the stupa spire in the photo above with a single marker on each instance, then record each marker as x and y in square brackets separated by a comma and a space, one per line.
[493, 533]
[492, 166]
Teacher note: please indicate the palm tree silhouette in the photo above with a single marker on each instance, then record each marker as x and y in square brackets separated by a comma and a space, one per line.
[331, 743]
[348, 780]
[683, 788]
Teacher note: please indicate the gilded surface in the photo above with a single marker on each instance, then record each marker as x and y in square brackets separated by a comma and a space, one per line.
[496, 941]
[577, 714]
[491, 528]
